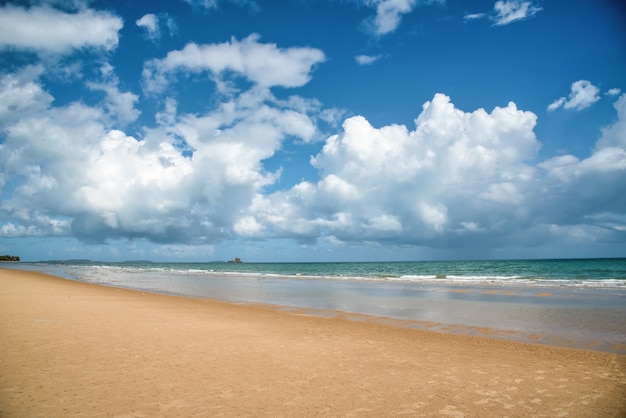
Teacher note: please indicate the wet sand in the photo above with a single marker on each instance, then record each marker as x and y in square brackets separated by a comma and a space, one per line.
[71, 348]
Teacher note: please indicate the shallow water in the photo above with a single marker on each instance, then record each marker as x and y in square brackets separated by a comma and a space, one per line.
[546, 311]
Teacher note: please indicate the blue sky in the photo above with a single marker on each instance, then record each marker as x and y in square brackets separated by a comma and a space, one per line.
[312, 130]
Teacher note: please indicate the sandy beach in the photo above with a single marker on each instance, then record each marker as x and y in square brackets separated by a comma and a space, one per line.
[77, 349]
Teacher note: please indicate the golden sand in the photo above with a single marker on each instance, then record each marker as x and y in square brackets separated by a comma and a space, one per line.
[74, 349]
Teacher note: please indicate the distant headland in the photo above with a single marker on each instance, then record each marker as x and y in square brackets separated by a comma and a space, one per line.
[9, 258]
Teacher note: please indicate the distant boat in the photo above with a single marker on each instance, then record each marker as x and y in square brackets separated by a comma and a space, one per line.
[236, 260]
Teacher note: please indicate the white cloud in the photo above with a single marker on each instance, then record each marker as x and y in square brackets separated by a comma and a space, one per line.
[613, 92]
[206, 4]
[583, 94]
[588, 194]
[614, 136]
[264, 64]
[509, 11]
[248, 227]
[187, 181]
[474, 16]
[172, 28]
[388, 14]
[195, 179]
[506, 12]
[13, 231]
[213, 4]
[366, 59]
[42, 28]
[384, 222]
[459, 178]
[20, 95]
[150, 23]
[455, 169]
[556, 104]
[120, 106]
[455, 178]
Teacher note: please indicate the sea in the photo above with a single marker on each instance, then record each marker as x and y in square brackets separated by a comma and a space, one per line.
[570, 302]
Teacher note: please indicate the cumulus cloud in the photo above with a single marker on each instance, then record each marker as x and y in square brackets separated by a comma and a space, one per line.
[185, 181]
[614, 136]
[457, 178]
[583, 94]
[454, 171]
[119, 105]
[454, 178]
[590, 190]
[264, 64]
[20, 95]
[613, 92]
[43, 28]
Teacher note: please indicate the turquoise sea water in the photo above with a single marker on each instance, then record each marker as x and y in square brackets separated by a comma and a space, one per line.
[579, 302]
[604, 273]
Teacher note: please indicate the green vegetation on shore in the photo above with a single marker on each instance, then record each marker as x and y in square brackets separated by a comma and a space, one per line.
[9, 258]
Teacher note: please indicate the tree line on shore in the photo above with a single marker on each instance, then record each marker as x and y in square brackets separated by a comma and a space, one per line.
[9, 258]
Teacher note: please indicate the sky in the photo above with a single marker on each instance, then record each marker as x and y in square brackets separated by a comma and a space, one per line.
[312, 130]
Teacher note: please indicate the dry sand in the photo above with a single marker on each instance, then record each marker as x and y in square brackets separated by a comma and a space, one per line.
[75, 349]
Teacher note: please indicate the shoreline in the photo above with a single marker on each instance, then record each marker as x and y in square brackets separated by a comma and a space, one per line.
[589, 318]
[77, 348]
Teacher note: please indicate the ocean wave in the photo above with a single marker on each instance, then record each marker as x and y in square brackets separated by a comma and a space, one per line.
[538, 273]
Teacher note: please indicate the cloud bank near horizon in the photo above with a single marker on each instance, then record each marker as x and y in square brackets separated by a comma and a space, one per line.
[199, 179]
